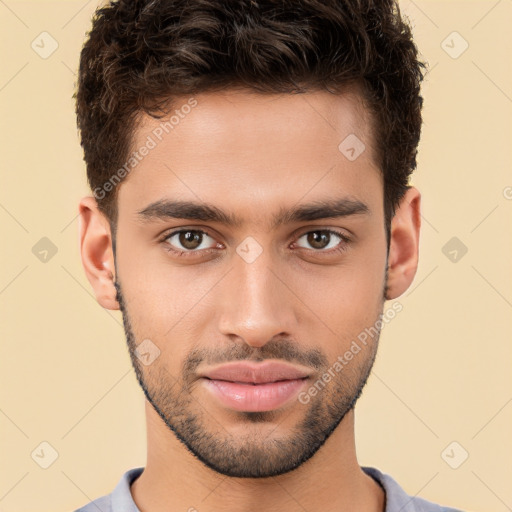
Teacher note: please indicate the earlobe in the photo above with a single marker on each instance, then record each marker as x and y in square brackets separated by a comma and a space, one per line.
[404, 244]
[96, 252]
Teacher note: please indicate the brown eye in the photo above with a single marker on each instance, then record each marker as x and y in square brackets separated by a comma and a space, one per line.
[188, 240]
[322, 239]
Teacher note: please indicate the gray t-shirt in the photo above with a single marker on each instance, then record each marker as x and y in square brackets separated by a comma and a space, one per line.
[120, 500]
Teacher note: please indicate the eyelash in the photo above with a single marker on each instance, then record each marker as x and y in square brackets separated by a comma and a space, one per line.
[340, 248]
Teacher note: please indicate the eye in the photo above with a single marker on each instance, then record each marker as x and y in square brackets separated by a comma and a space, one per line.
[194, 242]
[323, 239]
[189, 240]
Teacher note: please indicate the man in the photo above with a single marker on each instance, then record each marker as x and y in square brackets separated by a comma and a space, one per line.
[251, 215]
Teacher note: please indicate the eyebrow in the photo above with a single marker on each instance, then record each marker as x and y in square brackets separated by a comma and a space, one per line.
[165, 209]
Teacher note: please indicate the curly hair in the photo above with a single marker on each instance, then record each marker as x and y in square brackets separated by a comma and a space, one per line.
[140, 54]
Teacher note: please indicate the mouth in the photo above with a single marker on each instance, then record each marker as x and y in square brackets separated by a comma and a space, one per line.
[254, 383]
[254, 396]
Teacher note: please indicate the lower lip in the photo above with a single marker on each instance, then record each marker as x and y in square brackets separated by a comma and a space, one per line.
[254, 397]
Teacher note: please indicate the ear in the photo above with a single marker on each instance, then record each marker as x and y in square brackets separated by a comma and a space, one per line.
[96, 252]
[404, 244]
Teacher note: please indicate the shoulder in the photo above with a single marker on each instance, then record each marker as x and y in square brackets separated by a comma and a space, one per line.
[398, 500]
[102, 504]
[120, 500]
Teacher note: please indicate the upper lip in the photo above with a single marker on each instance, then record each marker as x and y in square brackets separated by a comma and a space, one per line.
[256, 373]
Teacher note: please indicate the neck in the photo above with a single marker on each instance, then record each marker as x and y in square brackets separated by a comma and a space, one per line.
[332, 480]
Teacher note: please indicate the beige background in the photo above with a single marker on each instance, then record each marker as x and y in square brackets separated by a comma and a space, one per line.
[443, 373]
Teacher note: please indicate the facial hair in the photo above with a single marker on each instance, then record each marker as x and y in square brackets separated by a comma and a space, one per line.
[251, 456]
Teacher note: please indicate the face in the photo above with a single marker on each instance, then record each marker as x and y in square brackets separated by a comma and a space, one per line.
[287, 263]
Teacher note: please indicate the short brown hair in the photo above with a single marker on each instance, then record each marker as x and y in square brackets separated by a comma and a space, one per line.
[140, 54]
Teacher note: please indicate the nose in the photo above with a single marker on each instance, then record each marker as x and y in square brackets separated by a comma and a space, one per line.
[256, 304]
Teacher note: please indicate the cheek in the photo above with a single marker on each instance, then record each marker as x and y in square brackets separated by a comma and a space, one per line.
[167, 305]
[353, 286]
[345, 299]
[159, 292]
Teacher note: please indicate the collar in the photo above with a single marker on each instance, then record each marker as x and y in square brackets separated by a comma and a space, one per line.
[396, 498]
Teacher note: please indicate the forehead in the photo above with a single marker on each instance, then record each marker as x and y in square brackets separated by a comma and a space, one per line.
[235, 145]
[248, 116]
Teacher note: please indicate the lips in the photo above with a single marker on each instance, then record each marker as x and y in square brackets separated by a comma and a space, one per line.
[254, 387]
[256, 373]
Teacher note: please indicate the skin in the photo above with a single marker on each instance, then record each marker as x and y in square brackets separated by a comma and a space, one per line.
[252, 156]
